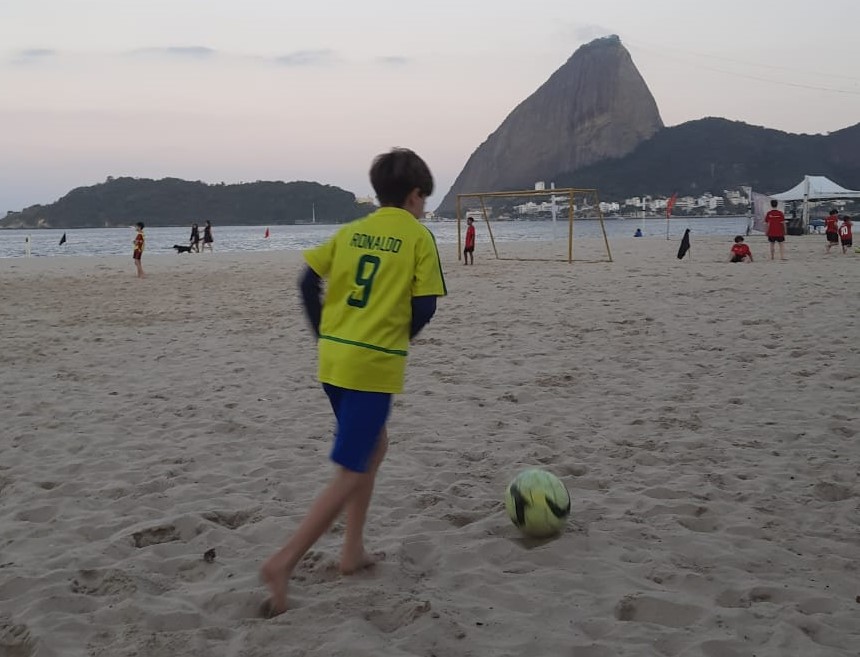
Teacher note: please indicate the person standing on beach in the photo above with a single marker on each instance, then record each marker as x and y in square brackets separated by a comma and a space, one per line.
[469, 248]
[775, 221]
[137, 254]
[384, 275]
[195, 238]
[831, 229]
[845, 234]
[207, 236]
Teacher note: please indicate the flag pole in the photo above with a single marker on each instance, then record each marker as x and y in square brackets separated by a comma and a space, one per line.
[669, 206]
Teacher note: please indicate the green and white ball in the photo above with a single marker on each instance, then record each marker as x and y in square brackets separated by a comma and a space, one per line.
[538, 503]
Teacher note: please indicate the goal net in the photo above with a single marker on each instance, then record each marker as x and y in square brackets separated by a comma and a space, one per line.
[542, 224]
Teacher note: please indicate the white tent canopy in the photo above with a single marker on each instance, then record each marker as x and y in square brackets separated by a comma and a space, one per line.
[816, 188]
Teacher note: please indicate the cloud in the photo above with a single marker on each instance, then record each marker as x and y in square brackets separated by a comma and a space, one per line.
[307, 58]
[186, 52]
[587, 32]
[395, 60]
[33, 55]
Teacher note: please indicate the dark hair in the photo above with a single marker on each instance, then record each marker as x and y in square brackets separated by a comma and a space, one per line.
[139, 224]
[739, 239]
[845, 217]
[773, 203]
[834, 211]
[395, 174]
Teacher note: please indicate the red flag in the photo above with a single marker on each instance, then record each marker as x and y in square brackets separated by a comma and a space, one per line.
[670, 205]
[267, 234]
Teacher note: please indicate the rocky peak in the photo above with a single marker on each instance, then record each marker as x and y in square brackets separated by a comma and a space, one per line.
[596, 106]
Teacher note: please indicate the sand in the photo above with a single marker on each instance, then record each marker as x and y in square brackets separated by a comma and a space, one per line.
[703, 415]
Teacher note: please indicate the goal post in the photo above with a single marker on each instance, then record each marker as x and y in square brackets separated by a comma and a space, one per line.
[481, 205]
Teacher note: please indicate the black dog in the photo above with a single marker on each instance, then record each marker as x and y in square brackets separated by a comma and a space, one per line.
[182, 249]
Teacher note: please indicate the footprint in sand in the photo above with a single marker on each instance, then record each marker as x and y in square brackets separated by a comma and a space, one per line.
[15, 640]
[315, 568]
[106, 582]
[645, 609]
[830, 492]
[401, 615]
[233, 519]
[155, 536]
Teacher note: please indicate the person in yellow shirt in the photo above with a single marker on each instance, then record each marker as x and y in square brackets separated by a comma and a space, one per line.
[384, 275]
[137, 253]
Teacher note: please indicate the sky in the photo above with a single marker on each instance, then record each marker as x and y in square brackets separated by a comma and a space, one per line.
[229, 91]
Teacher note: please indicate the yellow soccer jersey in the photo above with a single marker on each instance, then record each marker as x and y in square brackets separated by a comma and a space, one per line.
[373, 266]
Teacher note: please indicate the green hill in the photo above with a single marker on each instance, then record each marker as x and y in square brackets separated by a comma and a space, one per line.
[174, 202]
[711, 155]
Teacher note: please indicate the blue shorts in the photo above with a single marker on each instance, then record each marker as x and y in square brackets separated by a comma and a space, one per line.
[361, 416]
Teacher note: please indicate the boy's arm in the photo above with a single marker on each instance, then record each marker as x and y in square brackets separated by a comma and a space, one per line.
[310, 285]
[423, 309]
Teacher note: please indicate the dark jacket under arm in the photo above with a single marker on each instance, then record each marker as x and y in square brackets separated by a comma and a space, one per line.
[423, 309]
[310, 284]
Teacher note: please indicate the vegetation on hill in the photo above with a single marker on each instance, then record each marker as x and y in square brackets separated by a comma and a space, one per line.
[712, 155]
[174, 202]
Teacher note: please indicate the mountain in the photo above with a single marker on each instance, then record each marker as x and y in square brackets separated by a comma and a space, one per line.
[713, 154]
[595, 106]
[174, 202]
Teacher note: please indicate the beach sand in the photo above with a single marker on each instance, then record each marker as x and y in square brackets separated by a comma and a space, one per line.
[703, 415]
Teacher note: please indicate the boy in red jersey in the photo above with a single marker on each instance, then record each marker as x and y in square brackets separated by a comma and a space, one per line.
[469, 248]
[845, 234]
[139, 243]
[831, 229]
[740, 252]
[383, 277]
[775, 221]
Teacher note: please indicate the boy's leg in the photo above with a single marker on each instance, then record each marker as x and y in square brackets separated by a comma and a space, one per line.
[353, 556]
[276, 571]
[782, 250]
[772, 249]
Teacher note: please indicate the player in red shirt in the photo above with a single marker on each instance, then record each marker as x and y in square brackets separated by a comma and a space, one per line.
[469, 249]
[831, 229]
[845, 234]
[775, 221]
[740, 251]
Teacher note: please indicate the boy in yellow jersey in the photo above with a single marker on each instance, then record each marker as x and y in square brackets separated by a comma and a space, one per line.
[384, 275]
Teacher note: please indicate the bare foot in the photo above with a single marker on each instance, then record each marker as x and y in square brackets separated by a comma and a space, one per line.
[350, 564]
[276, 581]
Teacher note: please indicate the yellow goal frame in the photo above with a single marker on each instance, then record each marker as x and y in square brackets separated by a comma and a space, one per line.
[569, 192]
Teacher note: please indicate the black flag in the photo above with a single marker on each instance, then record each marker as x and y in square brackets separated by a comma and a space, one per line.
[685, 245]
[63, 239]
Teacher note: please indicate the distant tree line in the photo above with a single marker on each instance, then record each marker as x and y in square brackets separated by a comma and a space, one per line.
[175, 202]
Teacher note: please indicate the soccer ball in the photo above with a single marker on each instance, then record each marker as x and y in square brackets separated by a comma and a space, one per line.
[538, 503]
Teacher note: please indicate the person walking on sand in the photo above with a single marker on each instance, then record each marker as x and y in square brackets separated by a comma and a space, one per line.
[775, 231]
[845, 234]
[195, 238]
[469, 248]
[384, 275]
[831, 229]
[137, 253]
[207, 236]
